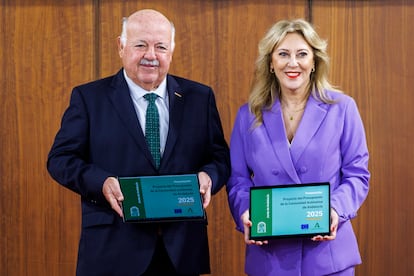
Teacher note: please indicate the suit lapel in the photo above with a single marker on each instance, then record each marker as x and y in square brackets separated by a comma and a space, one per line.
[122, 102]
[309, 125]
[176, 98]
[273, 123]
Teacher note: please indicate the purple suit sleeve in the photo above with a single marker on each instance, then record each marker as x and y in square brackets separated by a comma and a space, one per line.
[347, 197]
[239, 184]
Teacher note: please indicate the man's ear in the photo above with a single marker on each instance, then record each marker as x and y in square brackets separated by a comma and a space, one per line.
[120, 47]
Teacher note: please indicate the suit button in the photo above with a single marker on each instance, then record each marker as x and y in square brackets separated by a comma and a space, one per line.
[275, 172]
[303, 169]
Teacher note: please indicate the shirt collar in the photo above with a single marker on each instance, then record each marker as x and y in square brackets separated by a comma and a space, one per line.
[138, 92]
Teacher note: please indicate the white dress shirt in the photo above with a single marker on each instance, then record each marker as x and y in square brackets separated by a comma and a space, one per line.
[140, 104]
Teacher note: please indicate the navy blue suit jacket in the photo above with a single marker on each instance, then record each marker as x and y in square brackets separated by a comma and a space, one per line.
[100, 136]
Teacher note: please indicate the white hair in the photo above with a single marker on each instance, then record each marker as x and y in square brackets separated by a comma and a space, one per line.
[124, 33]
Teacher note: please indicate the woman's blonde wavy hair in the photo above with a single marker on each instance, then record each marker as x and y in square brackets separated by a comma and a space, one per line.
[265, 87]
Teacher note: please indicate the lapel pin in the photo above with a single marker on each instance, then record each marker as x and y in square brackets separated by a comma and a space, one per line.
[177, 94]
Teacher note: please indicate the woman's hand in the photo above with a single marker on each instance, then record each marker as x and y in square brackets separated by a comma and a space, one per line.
[334, 228]
[247, 225]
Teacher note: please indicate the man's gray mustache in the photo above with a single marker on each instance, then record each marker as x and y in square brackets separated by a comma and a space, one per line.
[149, 62]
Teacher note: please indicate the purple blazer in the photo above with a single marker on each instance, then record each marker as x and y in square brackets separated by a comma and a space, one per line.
[329, 145]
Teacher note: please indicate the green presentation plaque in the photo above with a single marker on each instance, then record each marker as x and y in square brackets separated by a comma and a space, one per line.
[161, 198]
[290, 210]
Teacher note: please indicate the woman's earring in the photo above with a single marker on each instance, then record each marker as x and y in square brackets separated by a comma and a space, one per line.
[272, 70]
[313, 69]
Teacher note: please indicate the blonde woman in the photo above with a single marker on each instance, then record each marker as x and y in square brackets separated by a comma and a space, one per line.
[297, 129]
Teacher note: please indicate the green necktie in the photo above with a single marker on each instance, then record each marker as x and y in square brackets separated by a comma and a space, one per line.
[152, 128]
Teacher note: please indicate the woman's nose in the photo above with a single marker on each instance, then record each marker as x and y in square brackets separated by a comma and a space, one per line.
[293, 62]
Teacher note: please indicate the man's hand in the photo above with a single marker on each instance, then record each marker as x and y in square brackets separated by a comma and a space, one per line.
[205, 188]
[113, 194]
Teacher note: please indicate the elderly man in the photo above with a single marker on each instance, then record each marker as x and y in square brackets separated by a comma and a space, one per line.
[103, 137]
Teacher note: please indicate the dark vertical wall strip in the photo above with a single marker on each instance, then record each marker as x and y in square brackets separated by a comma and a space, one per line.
[310, 19]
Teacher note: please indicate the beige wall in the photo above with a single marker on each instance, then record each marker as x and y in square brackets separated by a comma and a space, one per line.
[49, 46]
